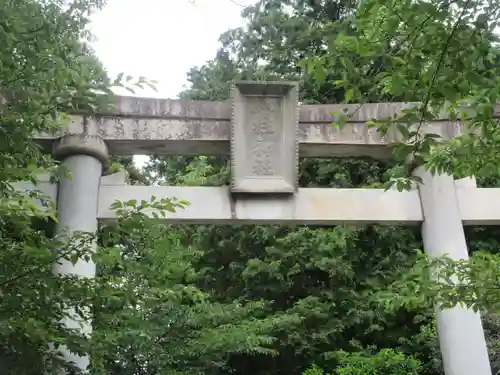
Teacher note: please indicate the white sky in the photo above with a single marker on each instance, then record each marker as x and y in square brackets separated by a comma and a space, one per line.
[162, 39]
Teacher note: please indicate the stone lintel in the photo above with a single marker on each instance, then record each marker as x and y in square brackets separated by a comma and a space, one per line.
[312, 206]
[128, 106]
[129, 136]
[47, 188]
[118, 178]
[309, 206]
[478, 206]
[147, 126]
[264, 143]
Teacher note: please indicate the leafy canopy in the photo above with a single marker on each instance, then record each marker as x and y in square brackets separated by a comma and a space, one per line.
[47, 70]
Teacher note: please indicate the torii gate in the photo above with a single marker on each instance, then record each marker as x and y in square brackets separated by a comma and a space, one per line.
[265, 130]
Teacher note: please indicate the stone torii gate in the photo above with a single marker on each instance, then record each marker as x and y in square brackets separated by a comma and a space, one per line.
[265, 131]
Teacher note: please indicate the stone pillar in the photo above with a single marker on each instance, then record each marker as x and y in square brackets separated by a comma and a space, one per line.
[77, 202]
[461, 335]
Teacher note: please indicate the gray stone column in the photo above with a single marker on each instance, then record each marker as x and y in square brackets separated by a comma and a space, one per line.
[77, 202]
[461, 335]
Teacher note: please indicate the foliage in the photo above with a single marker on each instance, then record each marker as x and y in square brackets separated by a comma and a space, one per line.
[473, 283]
[379, 51]
[32, 299]
[321, 274]
[387, 361]
[126, 164]
[384, 362]
[278, 35]
[443, 54]
[152, 318]
[44, 71]
[148, 313]
[255, 299]
[47, 70]
[491, 325]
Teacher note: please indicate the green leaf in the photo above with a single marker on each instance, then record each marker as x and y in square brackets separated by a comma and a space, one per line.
[349, 95]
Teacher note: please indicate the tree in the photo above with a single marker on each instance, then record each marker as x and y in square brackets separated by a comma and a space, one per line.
[152, 318]
[442, 54]
[45, 72]
[385, 361]
[445, 55]
[48, 72]
[323, 274]
[379, 51]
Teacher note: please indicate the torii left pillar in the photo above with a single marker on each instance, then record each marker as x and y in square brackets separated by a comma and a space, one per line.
[84, 156]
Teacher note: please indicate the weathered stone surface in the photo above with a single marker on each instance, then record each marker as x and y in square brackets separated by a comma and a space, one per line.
[478, 206]
[461, 335]
[81, 144]
[160, 108]
[77, 201]
[264, 144]
[118, 178]
[263, 128]
[309, 206]
[312, 206]
[45, 187]
[146, 126]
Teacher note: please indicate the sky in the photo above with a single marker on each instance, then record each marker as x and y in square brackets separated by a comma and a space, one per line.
[162, 39]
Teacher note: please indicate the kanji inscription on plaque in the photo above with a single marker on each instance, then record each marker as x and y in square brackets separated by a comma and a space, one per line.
[264, 144]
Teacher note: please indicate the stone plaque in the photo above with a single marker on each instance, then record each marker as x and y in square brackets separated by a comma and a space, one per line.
[264, 137]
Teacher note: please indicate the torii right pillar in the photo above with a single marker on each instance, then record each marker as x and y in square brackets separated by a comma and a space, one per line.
[460, 331]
